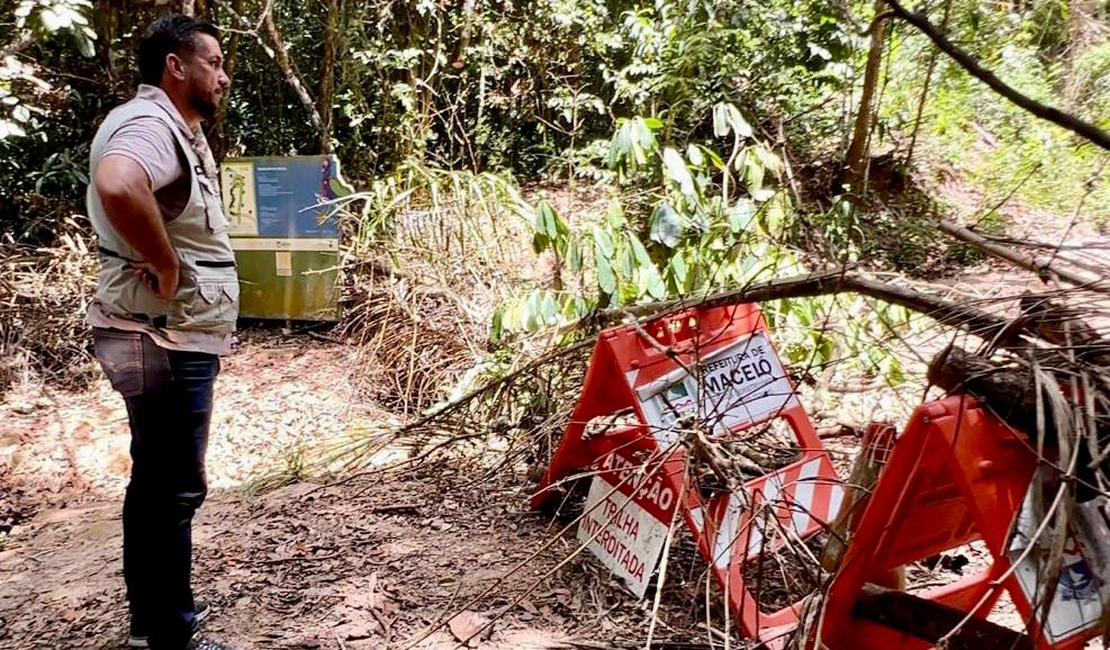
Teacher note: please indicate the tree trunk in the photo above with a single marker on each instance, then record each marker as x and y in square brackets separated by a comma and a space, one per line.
[325, 101]
[219, 138]
[281, 55]
[855, 162]
[467, 9]
[934, 54]
[1086, 27]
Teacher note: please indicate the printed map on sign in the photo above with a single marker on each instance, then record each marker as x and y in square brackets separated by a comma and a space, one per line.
[741, 384]
[240, 202]
[626, 528]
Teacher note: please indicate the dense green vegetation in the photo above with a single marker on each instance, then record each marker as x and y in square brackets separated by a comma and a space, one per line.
[533, 87]
[729, 140]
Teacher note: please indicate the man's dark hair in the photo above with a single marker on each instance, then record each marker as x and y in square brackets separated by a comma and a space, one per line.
[170, 34]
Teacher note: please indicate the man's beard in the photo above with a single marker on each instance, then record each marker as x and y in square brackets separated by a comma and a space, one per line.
[204, 105]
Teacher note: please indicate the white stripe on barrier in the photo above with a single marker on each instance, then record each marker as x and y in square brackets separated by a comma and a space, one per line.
[803, 495]
[698, 515]
[836, 495]
[631, 375]
[771, 490]
[727, 531]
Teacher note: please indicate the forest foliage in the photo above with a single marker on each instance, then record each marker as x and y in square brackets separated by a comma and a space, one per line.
[730, 139]
[538, 88]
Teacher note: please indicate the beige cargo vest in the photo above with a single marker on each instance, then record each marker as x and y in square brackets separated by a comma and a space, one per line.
[207, 299]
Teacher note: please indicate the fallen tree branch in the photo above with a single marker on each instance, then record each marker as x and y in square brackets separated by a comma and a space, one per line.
[1043, 267]
[1047, 113]
[1061, 325]
[930, 620]
[944, 311]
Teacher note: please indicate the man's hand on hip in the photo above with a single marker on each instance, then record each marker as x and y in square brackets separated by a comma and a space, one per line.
[162, 283]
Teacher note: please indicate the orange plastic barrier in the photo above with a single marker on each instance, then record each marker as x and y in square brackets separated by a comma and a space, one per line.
[719, 365]
[957, 474]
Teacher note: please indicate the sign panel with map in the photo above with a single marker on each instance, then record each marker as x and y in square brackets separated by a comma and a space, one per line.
[285, 233]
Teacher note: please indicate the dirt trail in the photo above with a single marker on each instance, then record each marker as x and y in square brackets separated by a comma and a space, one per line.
[362, 564]
[359, 565]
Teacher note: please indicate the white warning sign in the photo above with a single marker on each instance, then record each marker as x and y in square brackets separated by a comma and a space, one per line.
[740, 385]
[626, 536]
[1077, 605]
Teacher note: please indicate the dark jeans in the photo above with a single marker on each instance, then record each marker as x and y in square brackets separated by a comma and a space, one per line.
[169, 404]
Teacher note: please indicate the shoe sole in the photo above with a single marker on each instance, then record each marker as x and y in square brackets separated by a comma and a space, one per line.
[140, 642]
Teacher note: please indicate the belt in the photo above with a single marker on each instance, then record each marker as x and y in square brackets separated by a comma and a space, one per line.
[212, 264]
[158, 322]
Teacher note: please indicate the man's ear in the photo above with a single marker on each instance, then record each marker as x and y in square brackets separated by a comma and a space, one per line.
[175, 66]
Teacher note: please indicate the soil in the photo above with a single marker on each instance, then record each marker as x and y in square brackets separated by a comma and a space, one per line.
[363, 563]
[372, 561]
[360, 565]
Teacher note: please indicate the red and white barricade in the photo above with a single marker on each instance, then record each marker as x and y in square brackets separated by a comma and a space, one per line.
[711, 367]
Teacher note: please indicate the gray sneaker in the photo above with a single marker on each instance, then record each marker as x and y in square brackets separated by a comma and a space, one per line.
[205, 643]
[140, 638]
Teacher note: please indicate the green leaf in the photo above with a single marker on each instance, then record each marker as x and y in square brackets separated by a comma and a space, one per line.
[574, 257]
[753, 173]
[532, 312]
[678, 269]
[693, 153]
[614, 215]
[768, 159]
[620, 145]
[666, 225]
[568, 310]
[738, 123]
[603, 241]
[763, 194]
[548, 308]
[650, 283]
[717, 161]
[817, 50]
[546, 220]
[720, 120]
[496, 327]
[605, 278]
[639, 251]
[540, 242]
[676, 169]
[625, 262]
[740, 215]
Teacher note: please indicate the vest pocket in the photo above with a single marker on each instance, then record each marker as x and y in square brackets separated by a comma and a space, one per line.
[216, 306]
[210, 296]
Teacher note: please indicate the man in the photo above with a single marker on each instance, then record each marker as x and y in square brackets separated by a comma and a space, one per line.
[164, 310]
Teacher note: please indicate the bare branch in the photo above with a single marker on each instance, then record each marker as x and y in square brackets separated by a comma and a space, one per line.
[280, 56]
[1043, 267]
[944, 311]
[1048, 113]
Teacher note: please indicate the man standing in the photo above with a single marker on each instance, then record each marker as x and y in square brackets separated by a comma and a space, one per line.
[164, 310]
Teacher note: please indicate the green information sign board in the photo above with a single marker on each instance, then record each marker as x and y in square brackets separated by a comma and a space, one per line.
[286, 238]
